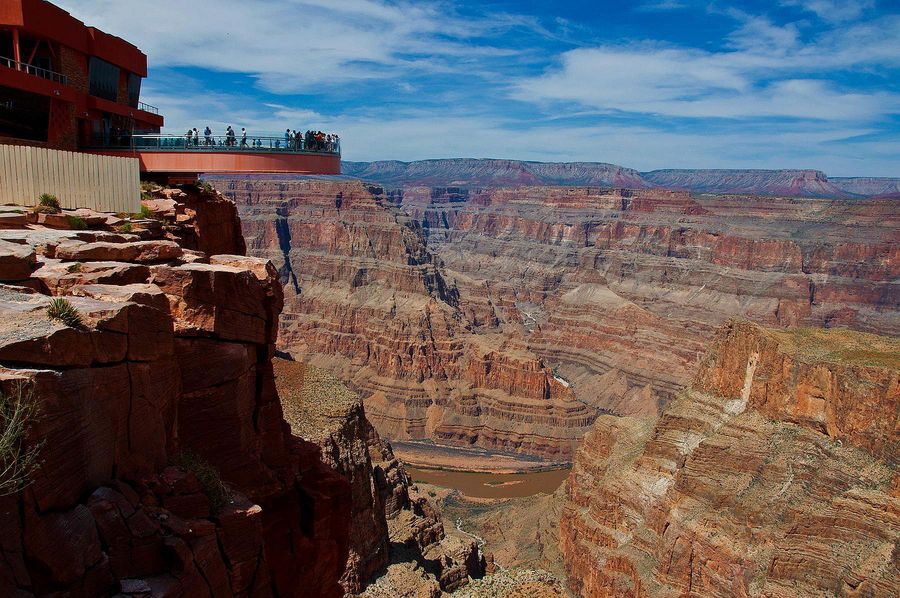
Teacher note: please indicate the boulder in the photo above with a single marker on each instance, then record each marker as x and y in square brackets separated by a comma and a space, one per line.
[13, 220]
[16, 261]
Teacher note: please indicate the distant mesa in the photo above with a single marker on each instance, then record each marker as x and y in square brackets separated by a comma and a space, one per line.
[500, 173]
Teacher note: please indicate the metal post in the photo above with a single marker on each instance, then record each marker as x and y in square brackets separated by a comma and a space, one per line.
[17, 55]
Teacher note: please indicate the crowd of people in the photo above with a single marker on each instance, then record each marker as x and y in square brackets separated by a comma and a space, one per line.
[311, 141]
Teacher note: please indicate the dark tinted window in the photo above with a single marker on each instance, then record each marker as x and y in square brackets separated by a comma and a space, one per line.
[23, 115]
[134, 90]
[104, 79]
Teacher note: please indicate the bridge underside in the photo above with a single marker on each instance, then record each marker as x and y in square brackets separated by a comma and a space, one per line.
[186, 166]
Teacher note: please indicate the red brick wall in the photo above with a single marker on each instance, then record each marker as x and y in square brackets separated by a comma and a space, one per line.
[63, 131]
[74, 66]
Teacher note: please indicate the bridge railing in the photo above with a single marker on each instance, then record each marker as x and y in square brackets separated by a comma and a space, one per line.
[213, 143]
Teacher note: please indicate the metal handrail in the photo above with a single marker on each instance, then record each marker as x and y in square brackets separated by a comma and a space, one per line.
[148, 108]
[212, 143]
[34, 70]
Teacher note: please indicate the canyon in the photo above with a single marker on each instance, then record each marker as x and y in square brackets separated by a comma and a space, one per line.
[222, 424]
[511, 318]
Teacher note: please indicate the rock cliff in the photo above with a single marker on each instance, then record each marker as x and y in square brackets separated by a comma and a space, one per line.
[508, 318]
[366, 299]
[398, 539]
[165, 466]
[621, 290]
[773, 474]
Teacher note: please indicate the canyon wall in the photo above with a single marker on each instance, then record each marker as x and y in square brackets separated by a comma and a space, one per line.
[164, 465]
[399, 544]
[510, 318]
[622, 290]
[773, 474]
[367, 300]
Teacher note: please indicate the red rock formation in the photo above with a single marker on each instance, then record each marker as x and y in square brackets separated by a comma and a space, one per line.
[623, 289]
[447, 323]
[393, 526]
[773, 474]
[173, 354]
[366, 299]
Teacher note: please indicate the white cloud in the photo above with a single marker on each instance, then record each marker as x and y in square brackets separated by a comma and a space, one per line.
[834, 11]
[298, 45]
[661, 6]
[767, 70]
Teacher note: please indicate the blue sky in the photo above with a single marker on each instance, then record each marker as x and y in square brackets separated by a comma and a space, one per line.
[654, 84]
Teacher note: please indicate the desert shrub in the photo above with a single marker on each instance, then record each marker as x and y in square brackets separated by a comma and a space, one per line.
[18, 461]
[208, 476]
[124, 228]
[74, 268]
[48, 201]
[145, 212]
[205, 187]
[61, 309]
[77, 223]
[48, 204]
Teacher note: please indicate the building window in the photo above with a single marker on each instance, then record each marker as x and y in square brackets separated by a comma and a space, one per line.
[104, 79]
[23, 115]
[134, 90]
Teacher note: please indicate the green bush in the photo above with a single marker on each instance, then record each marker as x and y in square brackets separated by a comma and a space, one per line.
[60, 309]
[18, 461]
[205, 187]
[209, 478]
[77, 223]
[74, 268]
[144, 213]
[48, 201]
[47, 204]
[124, 228]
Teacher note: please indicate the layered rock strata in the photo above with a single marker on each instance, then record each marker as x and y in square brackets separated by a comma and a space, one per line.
[773, 474]
[368, 301]
[509, 318]
[623, 289]
[398, 540]
[159, 384]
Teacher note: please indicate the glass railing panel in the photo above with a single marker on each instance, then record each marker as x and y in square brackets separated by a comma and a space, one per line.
[215, 143]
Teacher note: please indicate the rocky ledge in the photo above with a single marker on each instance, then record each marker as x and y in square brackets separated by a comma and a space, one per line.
[163, 464]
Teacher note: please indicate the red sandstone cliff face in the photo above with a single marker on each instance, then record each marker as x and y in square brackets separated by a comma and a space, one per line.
[396, 533]
[447, 315]
[173, 355]
[623, 289]
[368, 301]
[774, 474]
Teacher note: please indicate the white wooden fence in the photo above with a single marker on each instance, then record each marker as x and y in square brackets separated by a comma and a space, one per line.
[102, 183]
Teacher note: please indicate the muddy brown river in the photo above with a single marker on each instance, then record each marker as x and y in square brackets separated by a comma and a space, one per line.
[492, 485]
